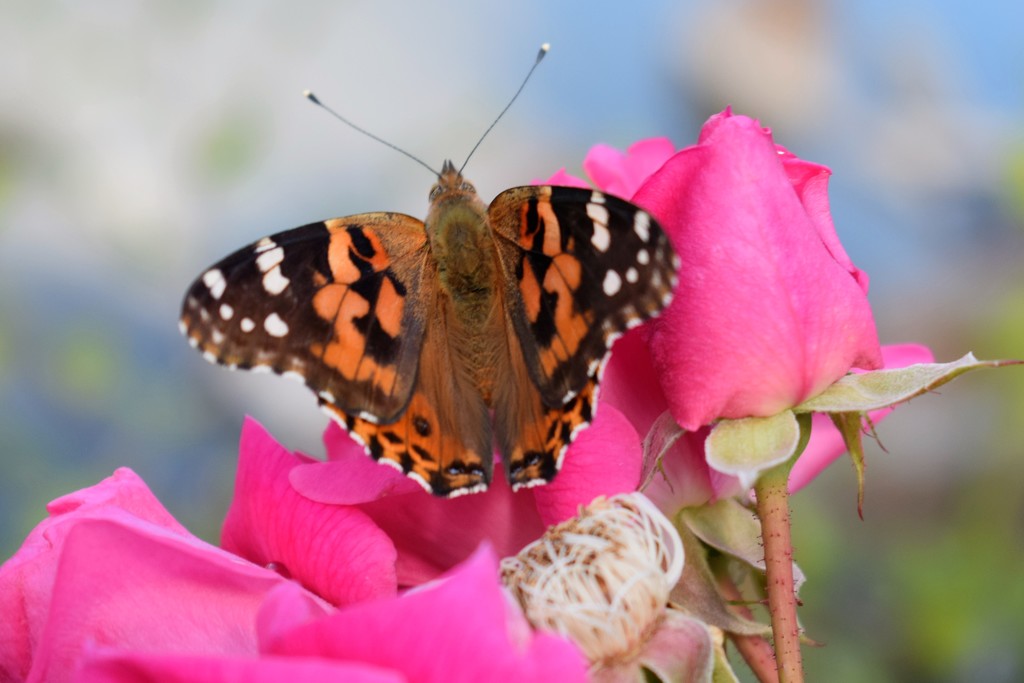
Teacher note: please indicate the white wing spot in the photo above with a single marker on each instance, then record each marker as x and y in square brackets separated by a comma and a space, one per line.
[217, 336]
[369, 417]
[642, 257]
[642, 225]
[265, 244]
[269, 259]
[182, 327]
[632, 275]
[601, 238]
[226, 311]
[597, 197]
[274, 326]
[214, 280]
[291, 374]
[273, 281]
[210, 357]
[247, 325]
[612, 283]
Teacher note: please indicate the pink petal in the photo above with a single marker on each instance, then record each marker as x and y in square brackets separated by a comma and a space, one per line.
[433, 534]
[27, 578]
[630, 383]
[826, 444]
[679, 650]
[335, 551]
[561, 177]
[125, 667]
[285, 607]
[622, 173]
[810, 180]
[358, 478]
[138, 587]
[686, 480]
[605, 459]
[764, 316]
[456, 630]
[122, 491]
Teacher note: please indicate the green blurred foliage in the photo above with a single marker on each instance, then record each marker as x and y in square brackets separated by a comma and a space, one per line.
[1014, 186]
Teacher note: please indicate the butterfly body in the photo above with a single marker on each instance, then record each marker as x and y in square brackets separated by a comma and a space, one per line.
[430, 342]
[462, 245]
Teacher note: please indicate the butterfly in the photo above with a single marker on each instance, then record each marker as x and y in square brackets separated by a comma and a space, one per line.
[432, 342]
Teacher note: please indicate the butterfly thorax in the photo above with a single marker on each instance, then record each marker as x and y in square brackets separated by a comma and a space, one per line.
[467, 264]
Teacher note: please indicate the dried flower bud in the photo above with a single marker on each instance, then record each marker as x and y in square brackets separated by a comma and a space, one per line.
[602, 578]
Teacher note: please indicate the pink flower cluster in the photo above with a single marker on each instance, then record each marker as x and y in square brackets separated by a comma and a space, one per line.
[310, 580]
[111, 588]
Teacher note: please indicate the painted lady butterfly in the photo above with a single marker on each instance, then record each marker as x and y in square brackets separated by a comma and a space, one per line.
[428, 340]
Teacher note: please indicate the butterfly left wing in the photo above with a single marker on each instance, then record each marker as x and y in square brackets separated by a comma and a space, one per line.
[580, 268]
[336, 303]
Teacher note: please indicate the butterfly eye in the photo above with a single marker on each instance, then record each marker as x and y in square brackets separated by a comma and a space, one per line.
[467, 187]
[435, 192]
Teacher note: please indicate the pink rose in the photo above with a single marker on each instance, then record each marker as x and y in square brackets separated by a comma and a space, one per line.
[462, 628]
[111, 588]
[769, 309]
[111, 568]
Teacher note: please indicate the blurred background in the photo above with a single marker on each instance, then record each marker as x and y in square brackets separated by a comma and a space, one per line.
[140, 142]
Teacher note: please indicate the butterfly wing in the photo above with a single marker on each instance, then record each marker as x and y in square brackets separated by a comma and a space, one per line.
[580, 268]
[443, 440]
[337, 303]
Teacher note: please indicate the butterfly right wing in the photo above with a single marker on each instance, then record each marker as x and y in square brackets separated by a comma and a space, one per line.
[340, 303]
[443, 440]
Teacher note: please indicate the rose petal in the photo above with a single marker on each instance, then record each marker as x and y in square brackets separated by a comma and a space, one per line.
[622, 173]
[433, 534]
[139, 587]
[561, 177]
[630, 383]
[120, 667]
[285, 607]
[810, 180]
[605, 459]
[455, 630]
[26, 579]
[336, 551]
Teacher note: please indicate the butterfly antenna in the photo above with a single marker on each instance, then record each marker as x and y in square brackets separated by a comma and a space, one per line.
[313, 98]
[540, 55]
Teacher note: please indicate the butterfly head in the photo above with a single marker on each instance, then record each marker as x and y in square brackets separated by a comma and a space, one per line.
[451, 186]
